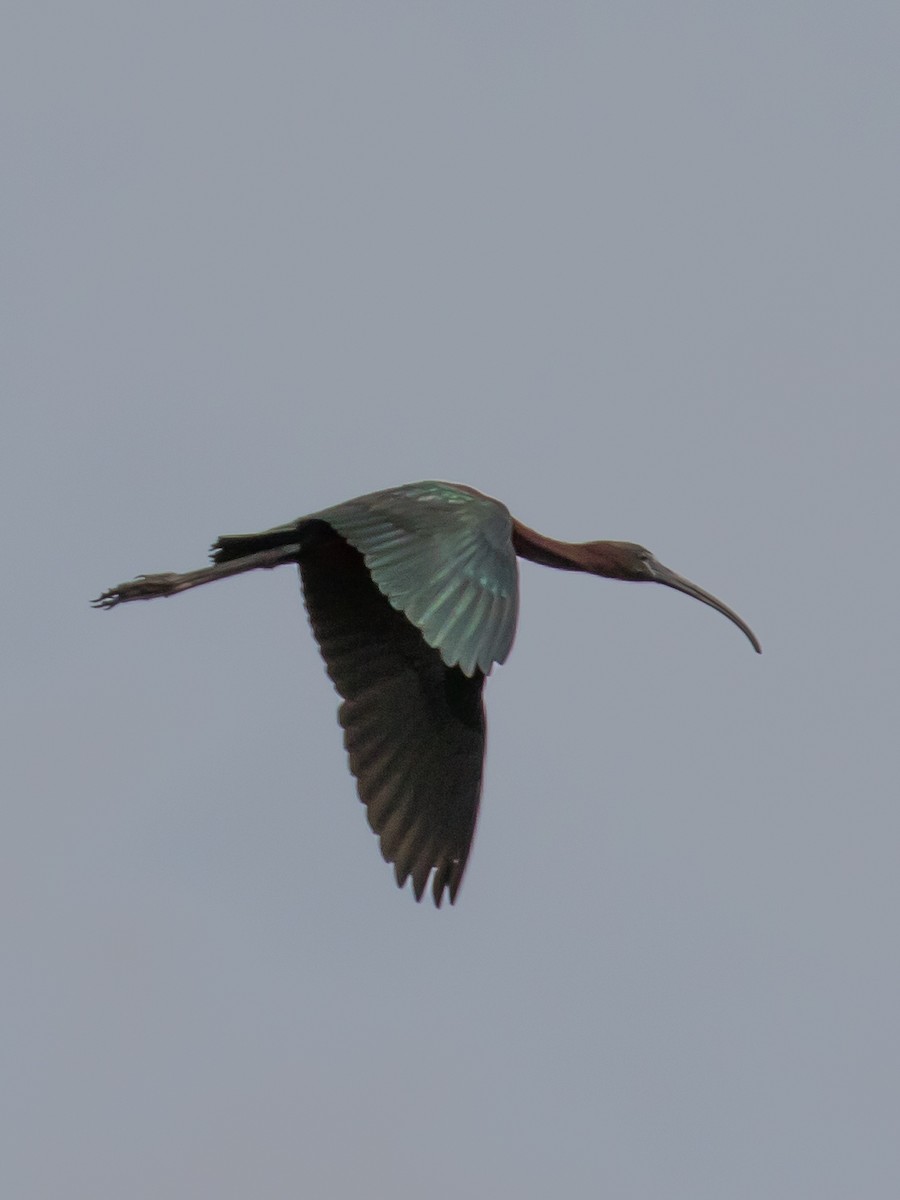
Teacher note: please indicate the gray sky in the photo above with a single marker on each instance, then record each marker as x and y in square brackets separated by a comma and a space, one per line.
[631, 268]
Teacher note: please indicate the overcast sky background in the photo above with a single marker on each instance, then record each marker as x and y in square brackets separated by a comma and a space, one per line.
[635, 270]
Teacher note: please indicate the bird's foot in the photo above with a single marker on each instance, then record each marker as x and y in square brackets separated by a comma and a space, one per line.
[145, 587]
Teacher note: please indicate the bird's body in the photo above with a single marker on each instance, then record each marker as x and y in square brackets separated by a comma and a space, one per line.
[412, 594]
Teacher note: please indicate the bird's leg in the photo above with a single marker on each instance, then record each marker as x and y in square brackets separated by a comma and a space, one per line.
[147, 587]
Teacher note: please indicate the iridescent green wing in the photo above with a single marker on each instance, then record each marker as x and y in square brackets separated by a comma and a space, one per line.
[443, 556]
[413, 727]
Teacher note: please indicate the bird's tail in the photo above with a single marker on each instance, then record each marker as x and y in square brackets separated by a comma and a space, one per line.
[240, 545]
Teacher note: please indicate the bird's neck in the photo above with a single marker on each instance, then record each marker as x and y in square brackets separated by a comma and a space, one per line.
[565, 556]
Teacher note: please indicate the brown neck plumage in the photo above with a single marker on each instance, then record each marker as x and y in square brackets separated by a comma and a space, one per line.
[597, 558]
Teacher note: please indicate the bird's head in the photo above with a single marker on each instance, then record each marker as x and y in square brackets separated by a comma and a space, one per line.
[627, 560]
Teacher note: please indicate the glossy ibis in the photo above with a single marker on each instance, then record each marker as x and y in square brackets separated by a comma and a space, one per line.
[412, 594]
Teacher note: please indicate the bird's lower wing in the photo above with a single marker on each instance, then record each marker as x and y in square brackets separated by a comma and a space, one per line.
[414, 728]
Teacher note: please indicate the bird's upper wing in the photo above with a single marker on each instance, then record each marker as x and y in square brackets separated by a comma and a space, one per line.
[413, 727]
[443, 556]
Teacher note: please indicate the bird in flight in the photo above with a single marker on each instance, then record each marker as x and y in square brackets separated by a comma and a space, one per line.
[412, 594]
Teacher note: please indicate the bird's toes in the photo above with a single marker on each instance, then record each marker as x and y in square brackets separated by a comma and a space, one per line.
[145, 587]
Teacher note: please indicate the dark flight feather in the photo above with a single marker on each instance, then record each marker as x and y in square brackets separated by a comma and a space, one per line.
[414, 728]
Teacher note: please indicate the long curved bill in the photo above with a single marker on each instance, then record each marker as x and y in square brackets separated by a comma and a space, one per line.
[670, 579]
